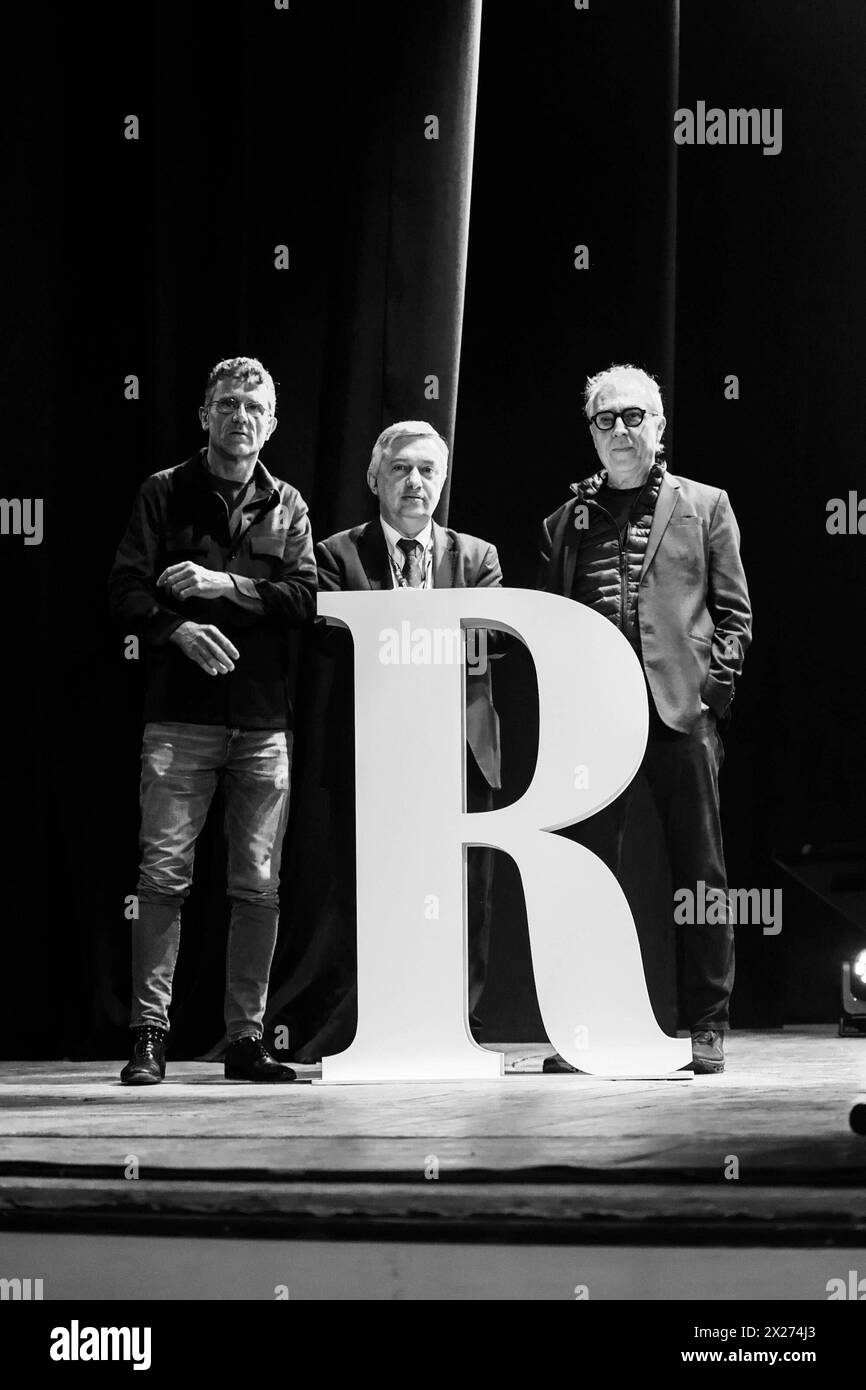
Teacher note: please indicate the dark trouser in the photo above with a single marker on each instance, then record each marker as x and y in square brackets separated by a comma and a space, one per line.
[682, 771]
[479, 880]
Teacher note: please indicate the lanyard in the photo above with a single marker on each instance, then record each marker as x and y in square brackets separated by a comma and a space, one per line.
[400, 579]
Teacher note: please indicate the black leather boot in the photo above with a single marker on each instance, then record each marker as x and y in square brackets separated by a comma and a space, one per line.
[708, 1052]
[146, 1066]
[247, 1059]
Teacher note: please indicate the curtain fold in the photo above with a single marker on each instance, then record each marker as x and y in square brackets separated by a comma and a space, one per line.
[394, 336]
[396, 311]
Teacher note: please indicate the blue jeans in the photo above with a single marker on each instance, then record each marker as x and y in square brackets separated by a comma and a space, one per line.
[180, 766]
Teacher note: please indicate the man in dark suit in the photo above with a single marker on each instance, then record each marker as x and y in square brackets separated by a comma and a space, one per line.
[405, 547]
[660, 557]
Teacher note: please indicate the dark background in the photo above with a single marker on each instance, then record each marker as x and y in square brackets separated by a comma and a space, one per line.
[156, 258]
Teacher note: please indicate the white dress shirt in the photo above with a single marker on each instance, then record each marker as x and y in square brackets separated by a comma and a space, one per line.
[398, 559]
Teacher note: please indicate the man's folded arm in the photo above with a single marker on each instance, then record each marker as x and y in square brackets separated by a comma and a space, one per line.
[134, 600]
[290, 598]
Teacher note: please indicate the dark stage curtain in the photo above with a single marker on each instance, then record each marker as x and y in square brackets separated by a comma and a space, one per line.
[415, 274]
[595, 91]
[305, 127]
[258, 128]
[393, 353]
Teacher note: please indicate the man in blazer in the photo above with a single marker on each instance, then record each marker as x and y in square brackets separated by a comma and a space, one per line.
[659, 556]
[405, 547]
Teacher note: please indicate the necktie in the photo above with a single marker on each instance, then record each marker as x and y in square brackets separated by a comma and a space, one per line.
[411, 564]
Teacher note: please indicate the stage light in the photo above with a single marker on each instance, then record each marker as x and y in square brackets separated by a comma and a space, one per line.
[852, 1023]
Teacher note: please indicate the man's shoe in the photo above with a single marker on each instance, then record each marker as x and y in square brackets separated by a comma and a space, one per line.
[247, 1059]
[557, 1063]
[146, 1066]
[708, 1052]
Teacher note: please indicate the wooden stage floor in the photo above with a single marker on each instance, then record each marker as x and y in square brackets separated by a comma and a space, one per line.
[761, 1157]
[468, 1151]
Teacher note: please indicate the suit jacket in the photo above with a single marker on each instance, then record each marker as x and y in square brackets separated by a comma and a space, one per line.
[358, 559]
[694, 613]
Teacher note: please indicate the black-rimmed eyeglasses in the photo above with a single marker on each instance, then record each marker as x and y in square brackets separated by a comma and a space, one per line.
[631, 417]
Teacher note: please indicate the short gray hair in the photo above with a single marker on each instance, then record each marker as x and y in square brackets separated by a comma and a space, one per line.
[246, 369]
[384, 445]
[595, 383]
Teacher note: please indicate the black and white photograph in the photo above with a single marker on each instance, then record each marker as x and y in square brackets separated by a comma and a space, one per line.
[433, 528]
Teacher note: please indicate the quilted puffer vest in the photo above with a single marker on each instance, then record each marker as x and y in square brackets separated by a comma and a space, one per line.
[607, 573]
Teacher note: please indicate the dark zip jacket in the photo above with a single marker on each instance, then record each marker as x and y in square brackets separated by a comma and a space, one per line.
[608, 576]
[178, 515]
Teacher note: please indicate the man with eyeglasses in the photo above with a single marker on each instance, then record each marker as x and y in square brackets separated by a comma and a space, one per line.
[214, 572]
[659, 556]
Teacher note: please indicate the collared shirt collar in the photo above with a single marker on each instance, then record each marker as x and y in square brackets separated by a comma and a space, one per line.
[265, 485]
[425, 540]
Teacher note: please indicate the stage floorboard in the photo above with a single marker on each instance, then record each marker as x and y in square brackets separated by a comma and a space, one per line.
[533, 1157]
